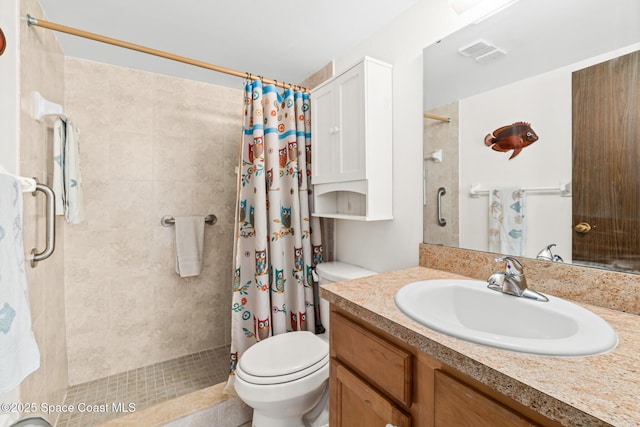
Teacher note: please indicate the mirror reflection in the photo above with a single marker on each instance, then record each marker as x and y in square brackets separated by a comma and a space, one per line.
[514, 136]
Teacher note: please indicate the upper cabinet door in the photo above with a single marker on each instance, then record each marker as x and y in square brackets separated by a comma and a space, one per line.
[351, 122]
[323, 125]
[338, 124]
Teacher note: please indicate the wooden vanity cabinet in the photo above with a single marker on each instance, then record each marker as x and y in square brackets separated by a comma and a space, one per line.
[377, 380]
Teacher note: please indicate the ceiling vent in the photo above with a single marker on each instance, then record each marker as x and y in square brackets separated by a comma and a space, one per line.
[477, 48]
[491, 56]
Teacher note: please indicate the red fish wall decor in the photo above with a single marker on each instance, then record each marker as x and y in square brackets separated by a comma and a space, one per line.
[3, 42]
[512, 137]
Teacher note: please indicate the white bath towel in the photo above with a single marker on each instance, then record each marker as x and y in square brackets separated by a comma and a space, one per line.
[67, 180]
[19, 355]
[189, 245]
[507, 221]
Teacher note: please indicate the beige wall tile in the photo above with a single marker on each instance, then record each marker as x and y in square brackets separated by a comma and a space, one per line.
[158, 146]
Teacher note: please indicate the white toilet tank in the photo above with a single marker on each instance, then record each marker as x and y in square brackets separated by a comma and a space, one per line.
[336, 271]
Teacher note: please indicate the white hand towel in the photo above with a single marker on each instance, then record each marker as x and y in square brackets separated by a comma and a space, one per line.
[67, 181]
[74, 212]
[507, 221]
[189, 245]
[19, 355]
[59, 139]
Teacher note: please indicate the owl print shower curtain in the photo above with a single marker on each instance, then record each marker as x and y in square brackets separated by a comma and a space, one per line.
[277, 241]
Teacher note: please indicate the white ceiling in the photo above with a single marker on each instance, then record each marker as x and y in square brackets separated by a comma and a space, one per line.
[286, 40]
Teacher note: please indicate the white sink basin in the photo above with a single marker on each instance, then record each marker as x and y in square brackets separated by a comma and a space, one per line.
[467, 309]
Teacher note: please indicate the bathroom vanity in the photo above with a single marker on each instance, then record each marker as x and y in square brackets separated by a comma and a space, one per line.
[378, 380]
[387, 369]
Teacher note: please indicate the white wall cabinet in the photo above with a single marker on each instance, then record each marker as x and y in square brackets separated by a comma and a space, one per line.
[352, 131]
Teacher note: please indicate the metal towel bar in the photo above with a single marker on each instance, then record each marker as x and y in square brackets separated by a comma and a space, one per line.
[169, 221]
[51, 227]
[564, 189]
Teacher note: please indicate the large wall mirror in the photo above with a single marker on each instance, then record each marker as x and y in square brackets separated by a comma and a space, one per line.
[515, 138]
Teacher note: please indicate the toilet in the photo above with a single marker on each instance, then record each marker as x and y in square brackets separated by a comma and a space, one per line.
[285, 378]
[336, 271]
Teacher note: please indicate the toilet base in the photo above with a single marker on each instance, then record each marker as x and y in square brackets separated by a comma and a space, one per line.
[317, 417]
[263, 420]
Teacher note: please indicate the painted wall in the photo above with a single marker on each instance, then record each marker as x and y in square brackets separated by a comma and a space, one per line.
[544, 163]
[151, 145]
[388, 245]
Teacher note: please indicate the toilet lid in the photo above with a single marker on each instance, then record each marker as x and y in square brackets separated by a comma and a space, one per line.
[337, 271]
[292, 355]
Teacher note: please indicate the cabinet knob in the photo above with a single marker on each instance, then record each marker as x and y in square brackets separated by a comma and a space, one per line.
[390, 425]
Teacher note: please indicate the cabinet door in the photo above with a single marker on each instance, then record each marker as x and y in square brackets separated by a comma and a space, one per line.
[457, 404]
[338, 124]
[385, 365]
[325, 141]
[350, 130]
[354, 403]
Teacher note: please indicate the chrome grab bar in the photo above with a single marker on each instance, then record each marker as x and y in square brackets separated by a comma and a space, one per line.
[441, 221]
[51, 227]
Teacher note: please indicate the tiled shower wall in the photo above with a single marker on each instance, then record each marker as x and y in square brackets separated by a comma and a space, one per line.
[439, 135]
[42, 69]
[151, 145]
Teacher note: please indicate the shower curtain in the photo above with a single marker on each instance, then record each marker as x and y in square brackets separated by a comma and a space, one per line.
[277, 242]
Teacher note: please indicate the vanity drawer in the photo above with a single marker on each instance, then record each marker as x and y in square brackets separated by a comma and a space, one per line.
[380, 362]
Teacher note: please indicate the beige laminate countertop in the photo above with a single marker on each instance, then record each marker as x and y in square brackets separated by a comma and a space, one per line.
[577, 391]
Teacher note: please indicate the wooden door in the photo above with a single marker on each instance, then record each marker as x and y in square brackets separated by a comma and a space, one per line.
[354, 403]
[606, 164]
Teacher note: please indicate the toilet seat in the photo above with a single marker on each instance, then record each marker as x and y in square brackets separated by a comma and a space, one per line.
[283, 358]
[253, 379]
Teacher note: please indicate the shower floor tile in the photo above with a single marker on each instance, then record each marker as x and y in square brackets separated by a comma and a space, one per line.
[107, 398]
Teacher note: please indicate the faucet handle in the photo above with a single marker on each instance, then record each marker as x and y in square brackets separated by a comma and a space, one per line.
[512, 265]
[546, 254]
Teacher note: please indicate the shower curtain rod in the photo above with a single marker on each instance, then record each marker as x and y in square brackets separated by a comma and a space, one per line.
[434, 117]
[96, 37]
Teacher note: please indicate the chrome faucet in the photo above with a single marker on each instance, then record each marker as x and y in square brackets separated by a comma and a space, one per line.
[512, 281]
[547, 255]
